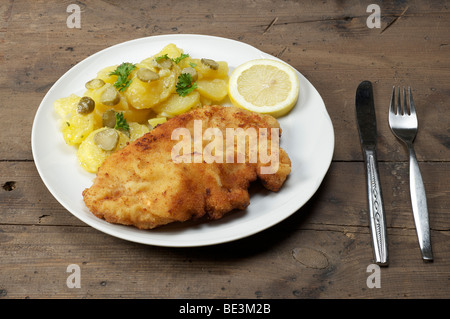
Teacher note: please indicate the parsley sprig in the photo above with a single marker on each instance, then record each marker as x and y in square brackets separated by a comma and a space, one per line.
[185, 84]
[121, 122]
[122, 72]
[162, 57]
[176, 60]
[181, 57]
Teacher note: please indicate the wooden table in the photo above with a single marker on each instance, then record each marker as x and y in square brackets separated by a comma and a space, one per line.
[322, 251]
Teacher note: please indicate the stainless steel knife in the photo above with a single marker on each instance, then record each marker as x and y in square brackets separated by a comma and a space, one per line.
[367, 127]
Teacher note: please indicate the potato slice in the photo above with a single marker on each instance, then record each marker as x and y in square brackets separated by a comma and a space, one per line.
[75, 127]
[205, 101]
[171, 50]
[156, 121]
[177, 104]
[204, 71]
[137, 130]
[151, 62]
[103, 74]
[215, 90]
[99, 106]
[66, 105]
[144, 95]
[139, 116]
[90, 156]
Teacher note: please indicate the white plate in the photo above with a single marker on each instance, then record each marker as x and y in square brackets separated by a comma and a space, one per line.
[307, 137]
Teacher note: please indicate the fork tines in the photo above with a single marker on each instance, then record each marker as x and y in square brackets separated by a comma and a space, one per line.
[408, 108]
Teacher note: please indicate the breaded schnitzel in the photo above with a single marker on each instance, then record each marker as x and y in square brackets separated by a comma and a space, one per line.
[148, 183]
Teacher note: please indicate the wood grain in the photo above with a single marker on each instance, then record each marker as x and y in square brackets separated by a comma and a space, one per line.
[40, 239]
[323, 250]
[268, 265]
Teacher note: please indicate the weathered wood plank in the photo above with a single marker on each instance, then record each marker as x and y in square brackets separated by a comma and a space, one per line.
[273, 264]
[315, 253]
[341, 199]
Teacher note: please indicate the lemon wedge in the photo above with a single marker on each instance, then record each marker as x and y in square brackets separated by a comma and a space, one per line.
[264, 86]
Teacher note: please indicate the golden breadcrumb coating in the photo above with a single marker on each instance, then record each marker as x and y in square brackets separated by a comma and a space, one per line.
[146, 186]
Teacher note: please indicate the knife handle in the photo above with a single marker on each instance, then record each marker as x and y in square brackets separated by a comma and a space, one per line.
[376, 209]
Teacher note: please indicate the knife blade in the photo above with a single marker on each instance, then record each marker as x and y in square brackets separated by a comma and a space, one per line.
[367, 127]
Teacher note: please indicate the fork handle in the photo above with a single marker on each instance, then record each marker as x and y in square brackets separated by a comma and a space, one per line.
[419, 206]
[376, 209]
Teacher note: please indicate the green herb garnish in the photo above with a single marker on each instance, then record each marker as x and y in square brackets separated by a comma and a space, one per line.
[162, 57]
[181, 57]
[176, 60]
[121, 122]
[122, 72]
[185, 84]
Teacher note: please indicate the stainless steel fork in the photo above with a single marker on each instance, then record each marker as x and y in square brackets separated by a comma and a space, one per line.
[403, 123]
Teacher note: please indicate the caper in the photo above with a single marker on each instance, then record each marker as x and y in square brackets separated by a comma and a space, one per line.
[86, 105]
[147, 75]
[94, 84]
[192, 72]
[106, 139]
[163, 63]
[110, 96]
[166, 64]
[109, 119]
[211, 63]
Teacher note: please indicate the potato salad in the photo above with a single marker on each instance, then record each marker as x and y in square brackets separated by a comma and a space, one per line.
[128, 100]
